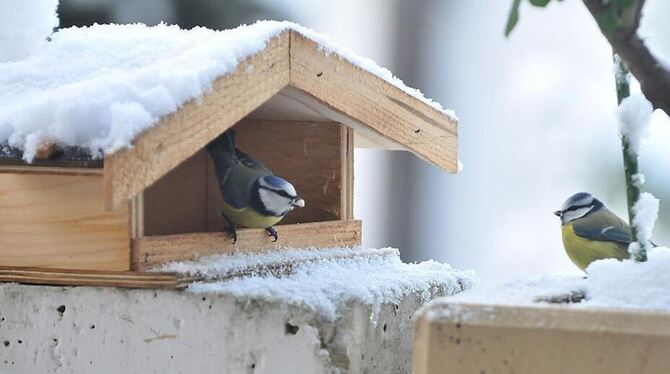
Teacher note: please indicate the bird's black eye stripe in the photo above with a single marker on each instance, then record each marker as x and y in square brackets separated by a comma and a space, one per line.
[279, 192]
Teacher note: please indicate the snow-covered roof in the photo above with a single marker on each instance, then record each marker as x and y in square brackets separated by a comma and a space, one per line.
[325, 280]
[99, 87]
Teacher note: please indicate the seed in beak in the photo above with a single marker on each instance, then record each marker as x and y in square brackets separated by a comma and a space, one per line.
[299, 202]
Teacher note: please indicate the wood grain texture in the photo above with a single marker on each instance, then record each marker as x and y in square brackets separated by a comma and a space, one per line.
[31, 169]
[149, 252]
[177, 202]
[347, 199]
[329, 86]
[180, 135]
[472, 338]
[59, 221]
[92, 278]
[428, 133]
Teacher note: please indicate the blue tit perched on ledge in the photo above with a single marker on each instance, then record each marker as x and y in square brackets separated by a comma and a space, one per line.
[252, 195]
[591, 231]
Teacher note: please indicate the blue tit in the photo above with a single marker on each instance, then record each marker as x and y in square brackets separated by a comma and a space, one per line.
[591, 231]
[252, 195]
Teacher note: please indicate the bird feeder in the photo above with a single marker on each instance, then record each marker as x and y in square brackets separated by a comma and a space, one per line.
[69, 219]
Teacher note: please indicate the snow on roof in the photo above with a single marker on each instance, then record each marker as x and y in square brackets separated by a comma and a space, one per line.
[98, 87]
[325, 280]
[25, 26]
[610, 284]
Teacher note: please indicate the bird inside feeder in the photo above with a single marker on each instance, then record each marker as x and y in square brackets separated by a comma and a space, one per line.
[252, 195]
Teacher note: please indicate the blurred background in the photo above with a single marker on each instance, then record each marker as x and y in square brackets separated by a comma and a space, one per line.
[537, 117]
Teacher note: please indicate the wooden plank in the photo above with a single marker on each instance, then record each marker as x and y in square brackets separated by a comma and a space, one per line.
[137, 216]
[369, 100]
[30, 169]
[69, 277]
[149, 251]
[347, 173]
[292, 104]
[177, 202]
[59, 221]
[307, 154]
[180, 135]
[470, 338]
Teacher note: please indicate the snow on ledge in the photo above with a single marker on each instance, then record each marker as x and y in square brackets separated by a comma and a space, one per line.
[610, 284]
[326, 280]
[99, 87]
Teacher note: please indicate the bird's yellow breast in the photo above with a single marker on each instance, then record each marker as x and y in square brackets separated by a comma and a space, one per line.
[584, 251]
[248, 217]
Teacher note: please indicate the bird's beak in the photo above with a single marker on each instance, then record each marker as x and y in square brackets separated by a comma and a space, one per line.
[558, 213]
[299, 202]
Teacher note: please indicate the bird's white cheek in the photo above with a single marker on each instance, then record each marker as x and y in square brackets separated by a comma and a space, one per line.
[274, 203]
[572, 215]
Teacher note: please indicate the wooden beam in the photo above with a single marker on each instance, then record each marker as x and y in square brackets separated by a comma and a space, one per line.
[478, 338]
[179, 135]
[69, 277]
[59, 221]
[370, 100]
[347, 193]
[29, 169]
[150, 252]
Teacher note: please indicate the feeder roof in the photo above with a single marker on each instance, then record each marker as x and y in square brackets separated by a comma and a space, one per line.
[147, 98]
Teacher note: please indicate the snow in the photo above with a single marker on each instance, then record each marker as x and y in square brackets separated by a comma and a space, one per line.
[645, 214]
[610, 284]
[639, 179]
[630, 284]
[25, 26]
[98, 87]
[323, 280]
[634, 115]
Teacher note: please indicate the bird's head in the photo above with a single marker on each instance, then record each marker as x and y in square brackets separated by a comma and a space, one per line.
[577, 206]
[277, 196]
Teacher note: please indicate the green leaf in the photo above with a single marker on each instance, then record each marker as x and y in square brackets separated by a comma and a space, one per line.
[540, 3]
[513, 18]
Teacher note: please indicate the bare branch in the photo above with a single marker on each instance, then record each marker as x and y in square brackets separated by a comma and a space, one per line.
[654, 77]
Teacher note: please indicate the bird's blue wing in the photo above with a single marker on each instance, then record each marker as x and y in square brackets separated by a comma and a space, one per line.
[603, 226]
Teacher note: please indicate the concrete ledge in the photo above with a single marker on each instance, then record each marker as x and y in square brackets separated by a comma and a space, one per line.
[106, 330]
[478, 338]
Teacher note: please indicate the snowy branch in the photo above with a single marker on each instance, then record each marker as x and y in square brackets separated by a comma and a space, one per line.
[620, 28]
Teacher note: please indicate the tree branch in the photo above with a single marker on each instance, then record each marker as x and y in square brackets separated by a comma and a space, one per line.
[653, 76]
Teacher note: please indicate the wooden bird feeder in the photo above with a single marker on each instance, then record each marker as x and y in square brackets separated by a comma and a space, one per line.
[68, 219]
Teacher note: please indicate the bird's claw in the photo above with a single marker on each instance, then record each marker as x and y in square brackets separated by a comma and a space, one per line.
[273, 233]
[232, 233]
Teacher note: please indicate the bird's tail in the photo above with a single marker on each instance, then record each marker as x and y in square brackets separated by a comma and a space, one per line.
[222, 149]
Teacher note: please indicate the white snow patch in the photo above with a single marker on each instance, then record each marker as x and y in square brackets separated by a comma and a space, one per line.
[25, 26]
[610, 284]
[639, 179]
[520, 289]
[631, 284]
[634, 115]
[645, 215]
[325, 280]
[98, 87]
